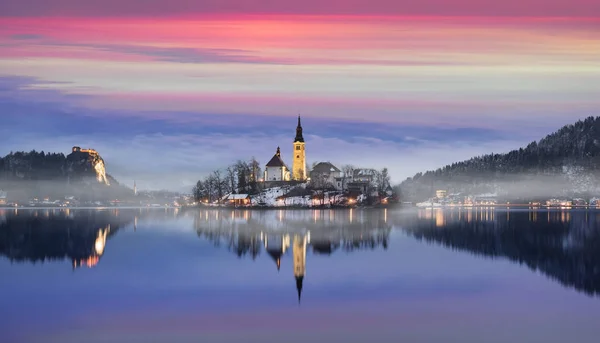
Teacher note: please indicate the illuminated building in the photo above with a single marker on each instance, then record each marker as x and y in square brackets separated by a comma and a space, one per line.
[97, 161]
[441, 194]
[299, 164]
[276, 170]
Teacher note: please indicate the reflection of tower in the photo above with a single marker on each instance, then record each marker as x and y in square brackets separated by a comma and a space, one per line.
[299, 251]
[299, 162]
[135, 220]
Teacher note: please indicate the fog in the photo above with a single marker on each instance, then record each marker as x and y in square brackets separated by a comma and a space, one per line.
[511, 187]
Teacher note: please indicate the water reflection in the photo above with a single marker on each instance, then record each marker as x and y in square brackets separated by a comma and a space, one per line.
[564, 245]
[247, 233]
[49, 235]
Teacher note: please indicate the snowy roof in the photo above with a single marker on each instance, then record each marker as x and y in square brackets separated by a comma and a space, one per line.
[237, 196]
[325, 167]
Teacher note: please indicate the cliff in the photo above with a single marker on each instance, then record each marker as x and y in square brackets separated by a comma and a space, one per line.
[82, 173]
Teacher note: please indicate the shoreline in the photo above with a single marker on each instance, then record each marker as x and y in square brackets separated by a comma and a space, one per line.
[289, 208]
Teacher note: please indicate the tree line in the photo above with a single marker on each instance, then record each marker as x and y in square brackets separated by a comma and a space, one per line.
[245, 177]
[239, 177]
[573, 145]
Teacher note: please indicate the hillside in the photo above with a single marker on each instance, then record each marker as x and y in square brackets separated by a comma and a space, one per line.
[26, 175]
[564, 163]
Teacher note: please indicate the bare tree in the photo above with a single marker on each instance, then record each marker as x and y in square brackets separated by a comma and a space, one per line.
[219, 184]
[199, 191]
[209, 186]
[255, 172]
[320, 183]
[243, 175]
[384, 181]
[231, 176]
[348, 175]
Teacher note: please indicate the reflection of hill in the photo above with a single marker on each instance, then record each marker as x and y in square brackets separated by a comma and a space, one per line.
[38, 236]
[563, 245]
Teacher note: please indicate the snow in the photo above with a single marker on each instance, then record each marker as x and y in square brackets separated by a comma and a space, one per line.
[274, 197]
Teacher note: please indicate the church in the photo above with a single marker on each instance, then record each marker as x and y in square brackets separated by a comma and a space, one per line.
[277, 170]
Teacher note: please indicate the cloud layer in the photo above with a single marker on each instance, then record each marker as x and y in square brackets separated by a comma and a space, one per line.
[180, 96]
[556, 8]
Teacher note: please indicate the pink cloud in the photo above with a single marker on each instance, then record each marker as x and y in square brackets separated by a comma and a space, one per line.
[582, 8]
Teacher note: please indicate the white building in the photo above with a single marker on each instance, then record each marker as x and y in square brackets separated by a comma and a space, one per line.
[276, 170]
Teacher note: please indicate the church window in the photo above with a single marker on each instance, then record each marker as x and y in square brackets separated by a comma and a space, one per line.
[297, 156]
[297, 147]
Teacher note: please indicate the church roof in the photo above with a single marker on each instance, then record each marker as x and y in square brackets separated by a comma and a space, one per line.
[325, 167]
[299, 280]
[276, 256]
[276, 161]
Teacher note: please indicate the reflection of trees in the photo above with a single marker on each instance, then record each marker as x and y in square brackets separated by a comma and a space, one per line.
[38, 236]
[244, 232]
[564, 247]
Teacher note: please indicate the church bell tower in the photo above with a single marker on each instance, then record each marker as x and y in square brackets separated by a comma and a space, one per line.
[299, 164]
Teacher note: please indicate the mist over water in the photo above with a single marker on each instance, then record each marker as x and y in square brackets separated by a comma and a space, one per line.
[133, 275]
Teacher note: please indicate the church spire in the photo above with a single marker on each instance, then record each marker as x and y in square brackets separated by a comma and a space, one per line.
[299, 137]
[299, 280]
[278, 152]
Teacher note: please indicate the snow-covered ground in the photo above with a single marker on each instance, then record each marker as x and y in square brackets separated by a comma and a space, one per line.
[275, 197]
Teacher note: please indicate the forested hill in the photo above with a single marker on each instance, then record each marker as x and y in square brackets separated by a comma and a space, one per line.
[564, 163]
[25, 175]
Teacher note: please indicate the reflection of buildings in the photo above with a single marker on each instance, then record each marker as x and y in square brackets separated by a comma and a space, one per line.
[323, 231]
[439, 217]
[276, 247]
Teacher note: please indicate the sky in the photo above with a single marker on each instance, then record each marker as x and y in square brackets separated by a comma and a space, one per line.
[168, 91]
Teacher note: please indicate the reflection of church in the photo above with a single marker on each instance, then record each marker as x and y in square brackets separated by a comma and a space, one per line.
[276, 247]
[247, 233]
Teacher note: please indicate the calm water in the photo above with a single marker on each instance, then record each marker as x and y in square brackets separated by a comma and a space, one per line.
[299, 275]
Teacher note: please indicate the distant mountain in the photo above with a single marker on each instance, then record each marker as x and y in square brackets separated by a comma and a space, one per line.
[82, 173]
[564, 163]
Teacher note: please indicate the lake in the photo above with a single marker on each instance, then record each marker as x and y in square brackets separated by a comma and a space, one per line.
[370, 275]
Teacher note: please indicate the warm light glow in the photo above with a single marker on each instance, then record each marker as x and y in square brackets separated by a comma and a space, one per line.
[101, 241]
[101, 172]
